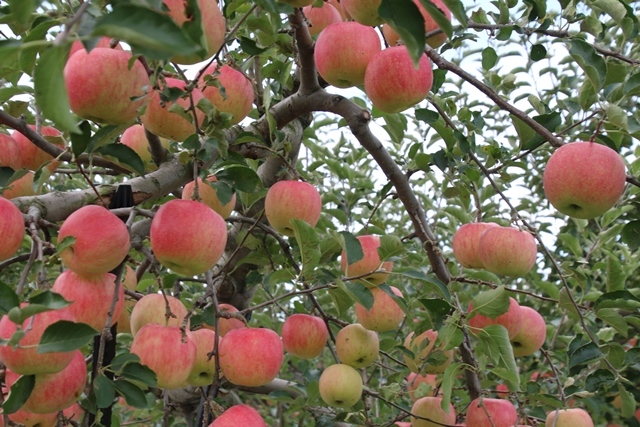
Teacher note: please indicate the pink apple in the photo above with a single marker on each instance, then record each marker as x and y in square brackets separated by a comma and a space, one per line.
[238, 91]
[11, 229]
[31, 157]
[10, 152]
[29, 419]
[384, 315]
[73, 412]
[368, 264]
[422, 347]
[209, 196]
[511, 319]
[357, 346]
[187, 236]
[507, 251]
[168, 351]
[364, 12]
[486, 412]
[239, 415]
[343, 52]
[102, 241]
[152, 308]
[103, 42]
[103, 87]
[287, 200]
[134, 137]
[532, 333]
[429, 25]
[393, 84]
[584, 179]
[416, 388]
[465, 243]
[21, 187]
[431, 409]
[574, 417]
[251, 357]
[204, 368]
[226, 325]
[320, 17]
[304, 335]
[340, 386]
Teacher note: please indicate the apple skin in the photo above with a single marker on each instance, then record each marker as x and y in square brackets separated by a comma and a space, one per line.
[336, 3]
[251, 357]
[385, 314]
[29, 419]
[421, 350]
[340, 386]
[55, 392]
[357, 346]
[204, 368]
[393, 84]
[31, 157]
[343, 51]
[304, 336]
[90, 298]
[511, 320]
[532, 334]
[501, 411]
[187, 236]
[238, 90]
[364, 12]
[429, 25]
[102, 241]
[167, 351]
[10, 152]
[413, 384]
[101, 85]
[507, 251]
[21, 187]
[574, 417]
[11, 229]
[158, 120]
[152, 308]
[226, 325]
[104, 42]
[430, 407]
[320, 17]
[369, 262]
[584, 179]
[287, 200]
[465, 243]
[239, 415]
[209, 196]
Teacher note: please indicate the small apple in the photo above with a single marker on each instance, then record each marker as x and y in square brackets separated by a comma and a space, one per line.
[21, 187]
[511, 319]
[10, 152]
[209, 196]
[340, 386]
[226, 325]
[204, 369]
[429, 25]
[423, 349]
[11, 229]
[31, 157]
[421, 385]
[239, 415]
[431, 409]
[465, 243]
[134, 137]
[157, 309]
[486, 412]
[357, 346]
[304, 336]
[532, 333]
[384, 315]
[238, 91]
[574, 417]
[507, 251]
[364, 12]
[287, 200]
[320, 17]
[370, 262]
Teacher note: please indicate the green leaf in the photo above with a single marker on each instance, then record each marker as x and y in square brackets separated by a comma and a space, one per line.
[80, 141]
[362, 294]
[104, 391]
[20, 392]
[65, 336]
[448, 380]
[631, 234]
[615, 275]
[106, 135]
[438, 310]
[405, 18]
[341, 299]
[623, 300]
[121, 360]
[123, 154]
[137, 372]
[131, 393]
[427, 116]
[615, 319]
[309, 244]
[600, 380]
[352, 247]
[241, 178]
[538, 52]
[390, 246]
[8, 299]
[489, 58]
[529, 139]
[493, 342]
[628, 401]
[22, 10]
[585, 354]
[169, 280]
[50, 89]
[457, 9]
[492, 303]
[438, 16]
[591, 63]
[438, 286]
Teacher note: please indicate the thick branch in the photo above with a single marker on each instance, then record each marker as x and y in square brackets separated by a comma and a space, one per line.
[307, 70]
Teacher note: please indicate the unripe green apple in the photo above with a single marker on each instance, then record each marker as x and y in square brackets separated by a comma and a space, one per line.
[573, 417]
[364, 12]
[340, 386]
[357, 346]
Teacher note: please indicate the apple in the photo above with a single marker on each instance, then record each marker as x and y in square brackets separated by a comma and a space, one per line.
[239, 415]
[213, 26]
[129, 282]
[226, 325]
[422, 348]
[187, 236]
[384, 315]
[204, 369]
[159, 120]
[343, 52]
[238, 91]
[73, 412]
[584, 179]
[168, 351]
[304, 336]
[340, 386]
[431, 408]
[104, 42]
[11, 229]
[209, 196]
[402, 424]
[21, 187]
[502, 413]
[416, 388]
[511, 319]
[90, 298]
[393, 84]
[502, 391]
[507, 251]
[364, 12]
[370, 262]
[430, 24]
[251, 357]
[152, 308]
[31, 157]
[10, 152]
[574, 417]
[29, 419]
[357, 346]
[465, 243]
[320, 17]
[105, 86]
[532, 333]
[101, 241]
[134, 137]
[55, 392]
[287, 200]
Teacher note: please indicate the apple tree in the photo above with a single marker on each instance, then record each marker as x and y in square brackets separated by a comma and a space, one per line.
[308, 213]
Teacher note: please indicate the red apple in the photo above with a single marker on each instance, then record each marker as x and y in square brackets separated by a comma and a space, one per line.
[486, 412]
[152, 308]
[31, 157]
[226, 325]
[384, 315]
[304, 335]
[369, 263]
[511, 319]
[287, 200]
[239, 415]
[238, 92]
[102, 241]
[584, 179]
[569, 418]
[363, 11]
[465, 243]
[507, 251]
[431, 408]
[340, 386]
[204, 368]
[21, 187]
[422, 347]
[357, 346]
[532, 333]
[320, 17]
[417, 390]
[10, 152]
[11, 229]
[209, 196]
[429, 25]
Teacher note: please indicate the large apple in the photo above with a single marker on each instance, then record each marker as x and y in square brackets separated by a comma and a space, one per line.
[101, 241]
[507, 251]
[486, 412]
[369, 263]
[320, 17]
[364, 12]
[423, 349]
[239, 415]
[357, 346]
[10, 152]
[431, 409]
[226, 325]
[343, 52]
[21, 187]
[573, 417]
[532, 333]
[511, 319]
[187, 236]
[384, 315]
[157, 309]
[251, 357]
[465, 243]
[204, 368]
[287, 200]
[340, 386]
[429, 25]
[135, 138]
[393, 84]
[31, 157]
[105, 85]
[238, 91]
[11, 229]
[168, 351]
[209, 196]
[584, 179]
[421, 385]
[304, 335]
